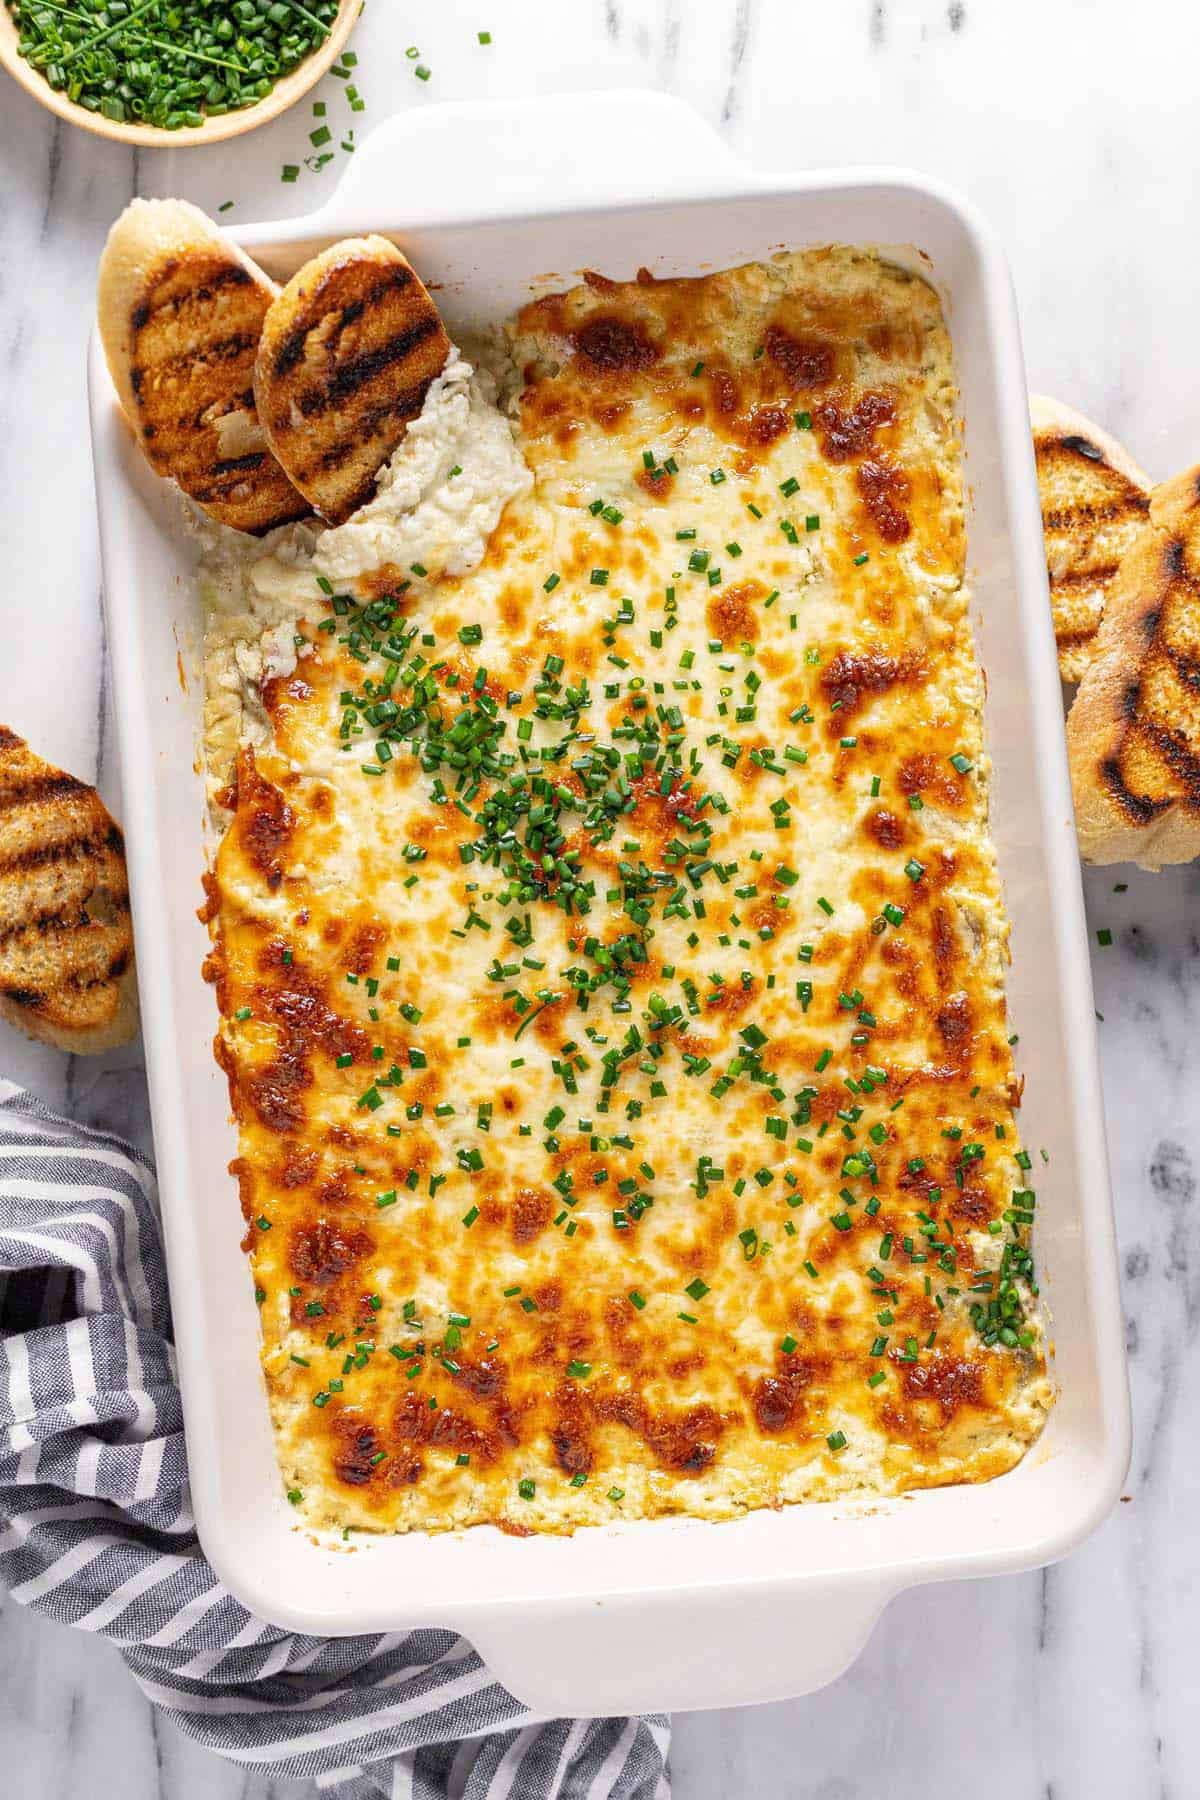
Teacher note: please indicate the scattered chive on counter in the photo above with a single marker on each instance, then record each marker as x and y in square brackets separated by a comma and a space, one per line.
[168, 63]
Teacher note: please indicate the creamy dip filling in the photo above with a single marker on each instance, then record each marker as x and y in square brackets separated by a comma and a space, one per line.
[438, 499]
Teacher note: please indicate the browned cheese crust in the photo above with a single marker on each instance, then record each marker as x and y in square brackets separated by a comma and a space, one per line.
[1133, 734]
[668, 1173]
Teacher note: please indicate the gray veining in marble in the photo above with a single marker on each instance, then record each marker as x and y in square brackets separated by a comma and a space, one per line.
[1074, 126]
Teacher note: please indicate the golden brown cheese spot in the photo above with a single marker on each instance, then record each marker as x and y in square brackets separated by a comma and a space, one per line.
[357, 1450]
[609, 343]
[658, 483]
[806, 363]
[775, 1398]
[923, 773]
[297, 1166]
[731, 998]
[654, 818]
[321, 1252]
[298, 1003]
[532, 1211]
[684, 1440]
[883, 488]
[950, 1381]
[765, 424]
[364, 947]
[285, 698]
[276, 1093]
[884, 828]
[847, 431]
[857, 674]
[264, 820]
[954, 1021]
[387, 579]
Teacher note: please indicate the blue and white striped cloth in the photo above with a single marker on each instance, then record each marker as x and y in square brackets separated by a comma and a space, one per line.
[96, 1528]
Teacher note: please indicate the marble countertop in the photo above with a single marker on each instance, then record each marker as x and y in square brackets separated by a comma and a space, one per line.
[1078, 135]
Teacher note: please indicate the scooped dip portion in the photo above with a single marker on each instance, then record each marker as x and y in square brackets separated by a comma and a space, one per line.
[439, 498]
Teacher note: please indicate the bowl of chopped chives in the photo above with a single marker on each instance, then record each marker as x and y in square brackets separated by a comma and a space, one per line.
[171, 71]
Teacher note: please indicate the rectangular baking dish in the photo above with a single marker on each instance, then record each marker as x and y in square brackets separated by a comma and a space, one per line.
[669, 1613]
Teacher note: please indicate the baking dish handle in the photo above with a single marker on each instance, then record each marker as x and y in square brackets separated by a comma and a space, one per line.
[468, 159]
[717, 1646]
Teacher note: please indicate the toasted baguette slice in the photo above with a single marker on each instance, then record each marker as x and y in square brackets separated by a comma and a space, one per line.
[180, 309]
[1095, 499]
[66, 942]
[348, 352]
[1133, 734]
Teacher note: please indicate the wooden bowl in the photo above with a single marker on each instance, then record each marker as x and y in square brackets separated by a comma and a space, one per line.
[223, 125]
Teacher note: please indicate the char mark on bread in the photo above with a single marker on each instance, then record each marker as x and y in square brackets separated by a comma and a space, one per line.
[180, 310]
[66, 941]
[349, 352]
[1133, 734]
[1095, 499]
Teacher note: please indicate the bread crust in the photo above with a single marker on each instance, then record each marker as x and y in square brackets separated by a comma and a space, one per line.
[180, 310]
[66, 939]
[1133, 734]
[347, 355]
[1095, 499]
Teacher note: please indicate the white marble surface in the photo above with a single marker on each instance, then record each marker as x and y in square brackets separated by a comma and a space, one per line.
[1074, 124]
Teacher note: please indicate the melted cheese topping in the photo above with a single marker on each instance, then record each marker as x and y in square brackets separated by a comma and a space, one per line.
[610, 954]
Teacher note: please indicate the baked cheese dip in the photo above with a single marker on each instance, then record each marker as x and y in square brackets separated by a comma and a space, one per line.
[607, 935]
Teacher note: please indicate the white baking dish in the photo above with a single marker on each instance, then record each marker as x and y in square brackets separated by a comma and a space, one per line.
[670, 1613]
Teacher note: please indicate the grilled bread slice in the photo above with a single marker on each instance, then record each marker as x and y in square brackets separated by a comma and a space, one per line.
[347, 356]
[1095, 499]
[1133, 734]
[180, 309]
[66, 942]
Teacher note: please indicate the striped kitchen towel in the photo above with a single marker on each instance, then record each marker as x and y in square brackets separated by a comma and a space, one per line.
[96, 1530]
